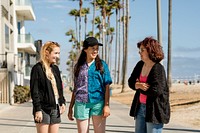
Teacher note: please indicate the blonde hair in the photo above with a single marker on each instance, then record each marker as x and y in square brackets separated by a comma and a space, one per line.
[46, 49]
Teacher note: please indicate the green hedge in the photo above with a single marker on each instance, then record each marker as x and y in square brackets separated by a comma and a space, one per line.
[21, 94]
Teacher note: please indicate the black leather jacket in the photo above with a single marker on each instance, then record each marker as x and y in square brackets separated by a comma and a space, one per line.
[157, 104]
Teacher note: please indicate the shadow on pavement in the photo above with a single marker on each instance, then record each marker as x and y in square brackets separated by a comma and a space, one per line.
[184, 130]
[7, 119]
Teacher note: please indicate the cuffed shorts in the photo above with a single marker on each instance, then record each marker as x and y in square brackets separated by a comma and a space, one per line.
[84, 111]
[51, 116]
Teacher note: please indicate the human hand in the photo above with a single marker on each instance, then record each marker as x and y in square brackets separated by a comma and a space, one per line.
[141, 85]
[144, 86]
[38, 116]
[106, 111]
[70, 114]
[62, 109]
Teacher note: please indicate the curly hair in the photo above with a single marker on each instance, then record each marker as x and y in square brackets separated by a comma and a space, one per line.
[153, 47]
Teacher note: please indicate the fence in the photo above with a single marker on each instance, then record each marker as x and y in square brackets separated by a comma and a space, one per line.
[4, 98]
[3, 79]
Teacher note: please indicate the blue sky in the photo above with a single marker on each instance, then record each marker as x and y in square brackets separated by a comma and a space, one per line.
[53, 21]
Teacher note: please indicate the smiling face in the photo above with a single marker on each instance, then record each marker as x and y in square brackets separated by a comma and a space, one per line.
[54, 55]
[92, 52]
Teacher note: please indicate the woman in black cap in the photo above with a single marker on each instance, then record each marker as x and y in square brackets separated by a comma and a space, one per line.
[90, 96]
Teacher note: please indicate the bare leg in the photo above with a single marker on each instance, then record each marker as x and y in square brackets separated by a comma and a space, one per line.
[42, 128]
[99, 124]
[83, 125]
[53, 128]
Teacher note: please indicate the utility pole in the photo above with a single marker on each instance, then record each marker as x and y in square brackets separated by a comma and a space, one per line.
[169, 76]
[159, 23]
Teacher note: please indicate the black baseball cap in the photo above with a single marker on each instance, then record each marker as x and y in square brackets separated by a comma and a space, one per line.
[91, 41]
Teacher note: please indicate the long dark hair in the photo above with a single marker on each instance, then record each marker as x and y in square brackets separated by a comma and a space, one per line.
[82, 59]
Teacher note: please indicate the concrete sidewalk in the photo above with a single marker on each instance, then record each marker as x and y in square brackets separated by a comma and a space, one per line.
[18, 119]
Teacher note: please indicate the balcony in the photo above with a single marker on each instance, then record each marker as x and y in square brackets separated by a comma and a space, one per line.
[24, 9]
[25, 43]
[28, 70]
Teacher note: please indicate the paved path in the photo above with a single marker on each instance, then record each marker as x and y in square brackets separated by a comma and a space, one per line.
[18, 119]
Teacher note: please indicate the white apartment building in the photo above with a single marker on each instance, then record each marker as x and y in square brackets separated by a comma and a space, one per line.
[16, 46]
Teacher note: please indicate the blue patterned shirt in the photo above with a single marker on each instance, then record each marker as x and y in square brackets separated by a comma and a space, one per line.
[90, 83]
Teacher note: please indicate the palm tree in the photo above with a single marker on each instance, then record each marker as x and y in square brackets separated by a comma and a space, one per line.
[169, 44]
[75, 13]
[90, 34]
[119, 51]
[125, 58]
[73, 53]
[102, 4]
[80, 9]
[117, 6]
[85, 11]
[80, 14]
[94, 14]
[97, 21]
[110, 32]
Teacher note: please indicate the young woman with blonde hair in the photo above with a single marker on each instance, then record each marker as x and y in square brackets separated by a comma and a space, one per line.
[46, 90]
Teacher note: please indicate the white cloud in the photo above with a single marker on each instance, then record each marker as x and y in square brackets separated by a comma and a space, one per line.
[59, 6]
[44, 19]
[62, 21]
[55, 1]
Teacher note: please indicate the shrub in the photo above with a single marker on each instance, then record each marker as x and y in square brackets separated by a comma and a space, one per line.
[21, 94]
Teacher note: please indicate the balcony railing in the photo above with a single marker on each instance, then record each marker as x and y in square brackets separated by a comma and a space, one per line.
[25, 38]
[28, 70]
[23, 2]
[3, 60]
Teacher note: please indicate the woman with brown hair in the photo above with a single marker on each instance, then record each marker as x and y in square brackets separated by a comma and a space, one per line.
[150, 105]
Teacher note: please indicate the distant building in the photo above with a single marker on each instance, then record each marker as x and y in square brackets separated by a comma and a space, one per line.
[17, 49]
[38, 45]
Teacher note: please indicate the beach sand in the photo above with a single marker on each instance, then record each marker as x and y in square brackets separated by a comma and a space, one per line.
[184, 101]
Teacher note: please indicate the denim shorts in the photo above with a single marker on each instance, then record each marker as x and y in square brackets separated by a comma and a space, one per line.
[84, 111]
[51, 116]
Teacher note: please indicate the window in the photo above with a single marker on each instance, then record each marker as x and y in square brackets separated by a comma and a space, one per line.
[7, 36]
[18, 27]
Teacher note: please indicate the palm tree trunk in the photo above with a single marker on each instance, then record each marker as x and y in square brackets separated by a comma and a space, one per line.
[116, 48]
[103, 31]
[169, 45]
[85, 25]
[124, 83]
[124, 41]
[94, 14]
[80, 6]
[77, 29]
[119, 51]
